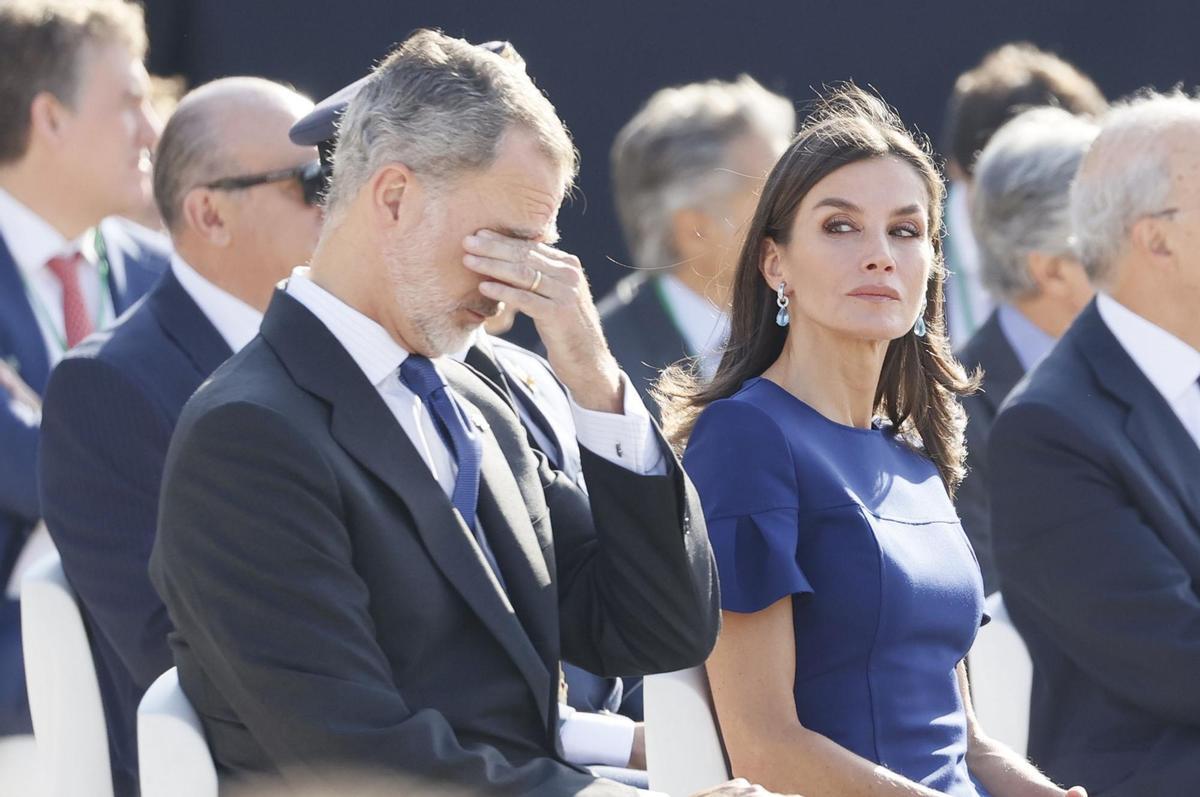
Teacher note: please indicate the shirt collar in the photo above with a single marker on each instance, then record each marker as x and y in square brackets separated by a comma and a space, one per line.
[703, 326]
[367, 343]
[236, 321]
[32, 240]
[1171, 365]
[1027, 339]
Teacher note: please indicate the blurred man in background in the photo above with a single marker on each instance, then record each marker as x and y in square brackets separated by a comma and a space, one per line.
[687, 170]
[1094, 462]
[1020, 217]
[1008, 80]
[230, 187]
[74, 136]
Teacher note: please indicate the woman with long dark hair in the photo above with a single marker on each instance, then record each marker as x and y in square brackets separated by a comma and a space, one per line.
[825, 452]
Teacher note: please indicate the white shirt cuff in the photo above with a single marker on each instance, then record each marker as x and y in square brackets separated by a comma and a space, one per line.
[626, 439]
[595, 738]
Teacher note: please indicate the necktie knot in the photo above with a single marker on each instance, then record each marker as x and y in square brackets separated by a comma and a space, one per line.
[65, 267]
[421, 377]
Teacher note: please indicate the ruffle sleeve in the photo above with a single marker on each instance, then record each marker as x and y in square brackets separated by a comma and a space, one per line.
[741, 464]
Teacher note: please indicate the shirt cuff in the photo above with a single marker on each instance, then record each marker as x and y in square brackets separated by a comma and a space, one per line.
[595, 738]
[626, 439]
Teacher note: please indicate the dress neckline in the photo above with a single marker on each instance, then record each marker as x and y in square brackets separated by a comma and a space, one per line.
[876, 426]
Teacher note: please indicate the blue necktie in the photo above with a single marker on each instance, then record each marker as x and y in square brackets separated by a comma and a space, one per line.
[421, 377]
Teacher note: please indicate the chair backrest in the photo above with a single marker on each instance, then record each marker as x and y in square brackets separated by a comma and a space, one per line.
[684, 753]
[173, 755]
[1001, 678]
[64, 696]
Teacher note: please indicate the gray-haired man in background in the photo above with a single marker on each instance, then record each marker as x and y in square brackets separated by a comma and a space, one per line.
[687, 170]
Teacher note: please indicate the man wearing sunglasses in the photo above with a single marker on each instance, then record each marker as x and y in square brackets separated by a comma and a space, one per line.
[239, 201]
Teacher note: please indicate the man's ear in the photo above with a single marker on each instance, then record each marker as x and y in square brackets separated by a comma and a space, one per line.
[205, 213]
[1151, 237]
[391, 186]
[47, 117]
[689, 233]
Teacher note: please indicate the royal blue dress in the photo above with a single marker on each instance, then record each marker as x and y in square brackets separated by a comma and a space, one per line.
[886, 594]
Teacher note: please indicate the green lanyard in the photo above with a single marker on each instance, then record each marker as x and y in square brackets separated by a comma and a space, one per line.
[40, 309]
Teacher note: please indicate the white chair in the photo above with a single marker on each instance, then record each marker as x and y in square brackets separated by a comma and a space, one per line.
[684, 753]
[64, 696]
[1001, 678]
[173, 756]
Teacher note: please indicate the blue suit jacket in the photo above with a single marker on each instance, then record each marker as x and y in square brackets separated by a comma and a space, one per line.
[142, 258]
[110, 408]
[1095, 488]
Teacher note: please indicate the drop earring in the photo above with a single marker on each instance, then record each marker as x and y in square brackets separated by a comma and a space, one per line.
[783, 317]
[919, 328]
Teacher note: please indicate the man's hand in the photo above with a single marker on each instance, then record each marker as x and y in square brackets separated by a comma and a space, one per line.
[738, 787]
[549, 286]
[1076, 791]
[22, 393]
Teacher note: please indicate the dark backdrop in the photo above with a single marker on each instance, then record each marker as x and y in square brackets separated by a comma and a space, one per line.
[599, 60]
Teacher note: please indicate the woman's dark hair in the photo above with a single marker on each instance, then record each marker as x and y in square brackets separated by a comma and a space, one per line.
[921, 381]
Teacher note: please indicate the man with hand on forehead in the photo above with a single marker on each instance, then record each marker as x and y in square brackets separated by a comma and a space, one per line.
[366, 564]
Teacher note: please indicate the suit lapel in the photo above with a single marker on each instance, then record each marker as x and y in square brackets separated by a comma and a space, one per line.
[663, 336]
[365, 427]
[185, 323]
[1002, 369]
[1152, 425]
[21, 344]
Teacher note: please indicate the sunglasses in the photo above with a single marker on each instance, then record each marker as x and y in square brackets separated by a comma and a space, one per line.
[312, 176]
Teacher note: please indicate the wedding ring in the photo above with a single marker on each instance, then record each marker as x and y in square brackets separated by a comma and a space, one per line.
[536, 282]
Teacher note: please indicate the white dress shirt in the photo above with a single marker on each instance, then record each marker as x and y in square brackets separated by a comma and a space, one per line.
[705, 328]
[236, 321]
[1171, 365]
[626, 440]
[32, 241]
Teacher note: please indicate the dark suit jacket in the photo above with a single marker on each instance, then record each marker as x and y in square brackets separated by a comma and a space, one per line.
[1095, 490]
[331, 607]
[110, 408]
[640, 332]
[988, 349]
[142, 257]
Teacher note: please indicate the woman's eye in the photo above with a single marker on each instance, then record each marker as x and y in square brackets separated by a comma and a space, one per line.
[839, 225]
[907, 231]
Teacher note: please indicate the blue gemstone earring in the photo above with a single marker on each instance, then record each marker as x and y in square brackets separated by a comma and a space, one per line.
[783, 317]
[919, 328]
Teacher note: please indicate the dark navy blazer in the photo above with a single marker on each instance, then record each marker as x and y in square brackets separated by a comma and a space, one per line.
[1095, 488]
[141, 256]
[110, 408]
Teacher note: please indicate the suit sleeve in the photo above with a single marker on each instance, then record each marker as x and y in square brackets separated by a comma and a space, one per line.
[1080, 560]
[637, 585]
[18, 455]
[971, 499]
[100, 466]
[255, 561]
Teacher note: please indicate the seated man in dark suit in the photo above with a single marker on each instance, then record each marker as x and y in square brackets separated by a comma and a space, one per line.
[1095, 461]
[687, 170]
[365, 563]
[74, 135]
[113, 402]
[592, 734]
[1019, 203]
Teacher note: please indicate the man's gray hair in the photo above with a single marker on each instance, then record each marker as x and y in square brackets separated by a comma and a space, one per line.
[674, 154]
[1020, 200]
[1126, 175]
[440, 106]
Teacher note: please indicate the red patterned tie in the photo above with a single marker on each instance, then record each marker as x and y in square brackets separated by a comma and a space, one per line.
[76, 320]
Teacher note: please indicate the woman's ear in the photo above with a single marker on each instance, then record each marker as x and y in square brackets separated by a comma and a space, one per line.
[770, 262]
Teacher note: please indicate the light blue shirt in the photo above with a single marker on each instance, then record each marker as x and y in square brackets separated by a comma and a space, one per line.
[1027, 339]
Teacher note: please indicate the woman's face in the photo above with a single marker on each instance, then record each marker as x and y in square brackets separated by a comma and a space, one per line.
[860, 252]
